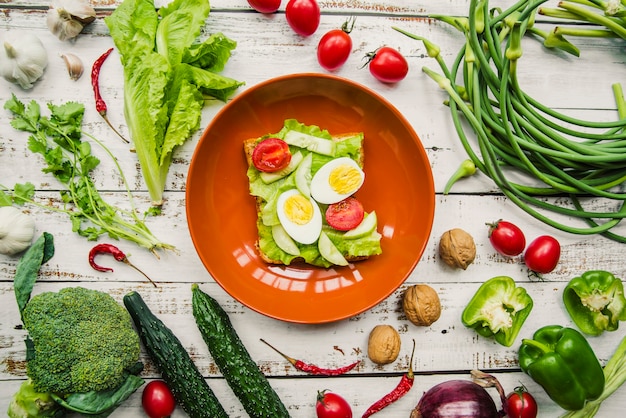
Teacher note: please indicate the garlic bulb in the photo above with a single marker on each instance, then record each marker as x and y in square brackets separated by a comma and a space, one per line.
[16, 230]
[23, 58]
[67, 18]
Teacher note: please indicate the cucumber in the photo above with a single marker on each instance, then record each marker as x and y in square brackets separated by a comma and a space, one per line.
[296, 159]
[328, 250]
[189, 387]
[241, 372]
[312, 143]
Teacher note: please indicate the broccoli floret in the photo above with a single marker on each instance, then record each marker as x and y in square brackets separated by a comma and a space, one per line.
[83, 340]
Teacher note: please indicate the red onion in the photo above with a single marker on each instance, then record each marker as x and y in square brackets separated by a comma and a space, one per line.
[461, 399]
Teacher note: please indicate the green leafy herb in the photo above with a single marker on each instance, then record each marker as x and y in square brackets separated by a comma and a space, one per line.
[167, 72]
[28, 267]
[58, 139]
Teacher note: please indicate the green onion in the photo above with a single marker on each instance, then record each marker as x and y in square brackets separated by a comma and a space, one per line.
[530, 151]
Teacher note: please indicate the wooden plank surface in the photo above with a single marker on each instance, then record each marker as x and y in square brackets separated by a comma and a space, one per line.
[267, 48]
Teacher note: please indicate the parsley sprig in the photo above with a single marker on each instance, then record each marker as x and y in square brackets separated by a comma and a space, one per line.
[58, 138]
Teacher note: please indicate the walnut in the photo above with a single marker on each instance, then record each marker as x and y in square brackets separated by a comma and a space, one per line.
[457, 248]
[384, 344]
[421, 304]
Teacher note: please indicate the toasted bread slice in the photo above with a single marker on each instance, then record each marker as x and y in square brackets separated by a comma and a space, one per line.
[249, 145]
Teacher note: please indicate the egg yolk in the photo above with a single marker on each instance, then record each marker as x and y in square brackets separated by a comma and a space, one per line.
[344, 179]
[298, 209]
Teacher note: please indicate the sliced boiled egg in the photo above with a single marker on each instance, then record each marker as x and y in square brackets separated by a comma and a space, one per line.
[300, 216]
[336, 180]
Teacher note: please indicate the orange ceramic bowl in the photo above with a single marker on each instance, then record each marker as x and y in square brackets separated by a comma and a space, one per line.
[221, 214]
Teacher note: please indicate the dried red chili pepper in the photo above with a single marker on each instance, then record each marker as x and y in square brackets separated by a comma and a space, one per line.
[313, 369]
[406, 383]
[101, 105]
[117, 254]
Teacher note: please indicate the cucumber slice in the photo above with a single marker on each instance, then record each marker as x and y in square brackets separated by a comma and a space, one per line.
[312, 143]
[284, 241]
[296, 159]
[366, 227]
[303, 175]
[329, 251]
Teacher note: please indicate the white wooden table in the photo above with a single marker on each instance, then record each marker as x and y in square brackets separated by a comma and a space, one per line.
[268, 48]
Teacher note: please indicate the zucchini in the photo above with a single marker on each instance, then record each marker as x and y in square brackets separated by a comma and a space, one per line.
[189, 387]
[241, 372]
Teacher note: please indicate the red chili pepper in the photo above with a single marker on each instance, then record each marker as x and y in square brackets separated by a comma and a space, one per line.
[406, 383]
[313, 369]
[117, 254]
[101, 105]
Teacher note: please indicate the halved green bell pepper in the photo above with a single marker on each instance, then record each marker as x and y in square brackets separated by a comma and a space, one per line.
[595, 301]
[498, 309]
[561, 361]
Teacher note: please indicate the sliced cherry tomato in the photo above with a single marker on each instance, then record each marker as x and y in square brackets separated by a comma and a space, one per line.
[388, 65]
[345, 215]
[521, 404]
[542, 255]
[157, 399]
[506, 238]
[335, 46]
[271, 154]
[303, 16]
[331, 405]
[265, 6]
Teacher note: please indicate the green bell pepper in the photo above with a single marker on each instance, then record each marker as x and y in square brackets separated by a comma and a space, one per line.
[498, 309]
[595, 302]
[561, 361]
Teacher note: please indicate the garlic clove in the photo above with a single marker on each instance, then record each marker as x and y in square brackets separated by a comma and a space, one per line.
[74, 65]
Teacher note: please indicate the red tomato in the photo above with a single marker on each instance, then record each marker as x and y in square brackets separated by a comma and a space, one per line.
[506, 238]
[157, 400]
[331, 405]
[345, 215]
[388, 65]
[271, 154]
[303, 16]
[335, 46]
[265, 6]
[542, 255]
[521, 404]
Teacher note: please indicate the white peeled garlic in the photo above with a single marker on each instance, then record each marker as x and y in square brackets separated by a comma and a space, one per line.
[16, 230]
[74, 65]
[67, 18]
[23, 58]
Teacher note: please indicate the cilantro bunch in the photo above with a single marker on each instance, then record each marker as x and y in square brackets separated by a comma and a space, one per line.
[58, 138]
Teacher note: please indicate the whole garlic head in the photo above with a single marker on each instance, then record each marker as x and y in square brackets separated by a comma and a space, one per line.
[16, 230]
[23, 58]
[67, 18]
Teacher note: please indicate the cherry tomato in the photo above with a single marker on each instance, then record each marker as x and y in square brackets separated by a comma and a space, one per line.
[335, 46]
[542, 255]
[521, 404]
[265, 6]
[345, 215]
[388, 65]
[157, 400]
[271, 154]
[331, 405]
[506, 238]
[303, 16]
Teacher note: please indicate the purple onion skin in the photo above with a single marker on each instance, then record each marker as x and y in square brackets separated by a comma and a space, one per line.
[456, 399]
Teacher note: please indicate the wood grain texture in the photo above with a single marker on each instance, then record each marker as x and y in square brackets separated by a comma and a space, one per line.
[268, 48]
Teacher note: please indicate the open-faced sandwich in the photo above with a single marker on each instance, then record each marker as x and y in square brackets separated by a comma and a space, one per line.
[304, 181]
